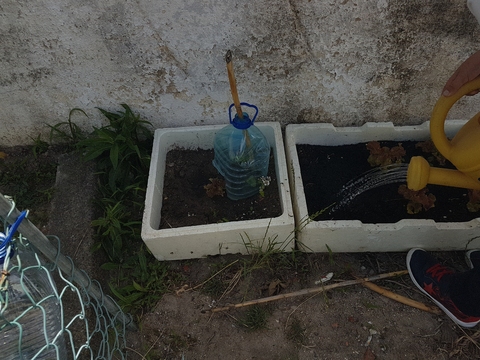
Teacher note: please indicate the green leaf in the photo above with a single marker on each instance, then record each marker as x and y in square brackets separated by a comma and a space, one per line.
[116, 293]
[114, 155]
[109, 266]
[138, 287]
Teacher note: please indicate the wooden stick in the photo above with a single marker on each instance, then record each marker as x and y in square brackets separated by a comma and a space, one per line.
[402, 299]
[233, 84]
[308, 291]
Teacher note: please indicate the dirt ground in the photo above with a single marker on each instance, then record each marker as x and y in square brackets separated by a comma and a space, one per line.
[345, 323]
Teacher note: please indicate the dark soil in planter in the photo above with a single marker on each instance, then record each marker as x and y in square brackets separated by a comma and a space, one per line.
[325, 169]
[185, 200]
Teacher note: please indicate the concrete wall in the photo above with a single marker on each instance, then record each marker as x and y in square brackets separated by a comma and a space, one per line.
[340, 61]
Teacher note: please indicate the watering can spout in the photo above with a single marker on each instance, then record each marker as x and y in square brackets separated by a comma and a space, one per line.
[420, 173]
[463, 151]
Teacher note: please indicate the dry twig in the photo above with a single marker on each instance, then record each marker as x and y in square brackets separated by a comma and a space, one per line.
[402, 299]
[308, 291]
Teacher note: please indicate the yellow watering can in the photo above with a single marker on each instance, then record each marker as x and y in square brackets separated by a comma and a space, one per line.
[463, 151]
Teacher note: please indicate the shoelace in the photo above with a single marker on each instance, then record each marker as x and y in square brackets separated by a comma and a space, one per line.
[437, 271]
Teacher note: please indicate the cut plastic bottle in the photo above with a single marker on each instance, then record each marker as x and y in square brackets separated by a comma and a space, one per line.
[242, 155]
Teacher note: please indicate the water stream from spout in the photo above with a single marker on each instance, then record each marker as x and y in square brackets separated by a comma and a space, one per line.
[371, 179]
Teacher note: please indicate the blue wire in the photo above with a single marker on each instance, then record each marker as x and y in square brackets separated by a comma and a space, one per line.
[13, 228]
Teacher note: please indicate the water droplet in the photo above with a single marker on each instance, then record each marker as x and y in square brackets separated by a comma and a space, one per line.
[371, 179]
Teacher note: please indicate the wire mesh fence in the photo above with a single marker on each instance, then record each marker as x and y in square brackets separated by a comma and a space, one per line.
[48, 308]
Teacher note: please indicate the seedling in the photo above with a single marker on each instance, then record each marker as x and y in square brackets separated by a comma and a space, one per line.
[215, 188]
[418, 200]
[382, 156]
[262, 182]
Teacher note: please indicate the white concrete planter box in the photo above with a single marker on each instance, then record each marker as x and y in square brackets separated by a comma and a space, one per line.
[353, 235]
[212, 239]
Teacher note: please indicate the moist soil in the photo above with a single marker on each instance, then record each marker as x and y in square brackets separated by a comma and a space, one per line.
[186, 201]
[346, 323]
[326, 169]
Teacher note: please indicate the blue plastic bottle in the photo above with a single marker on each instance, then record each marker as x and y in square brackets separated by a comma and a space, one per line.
[242, 154]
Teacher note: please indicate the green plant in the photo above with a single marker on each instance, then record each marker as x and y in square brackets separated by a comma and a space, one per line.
[67, 131]
[256, 317]
[417, 200]
[262, 182]
[262, 252]
[215, 188]
[141, 280]
[331, 261]
[383, 155]
[121, 151]
[39, 146]
[121, 148]
[113, 227]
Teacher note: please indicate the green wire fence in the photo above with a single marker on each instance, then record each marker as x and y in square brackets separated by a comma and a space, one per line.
[73, 320]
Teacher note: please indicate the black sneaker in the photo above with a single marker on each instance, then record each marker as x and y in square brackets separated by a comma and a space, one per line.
[432, 278]
[473, 258]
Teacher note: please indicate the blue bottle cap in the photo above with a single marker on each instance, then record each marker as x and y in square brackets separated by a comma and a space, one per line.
[244, 123]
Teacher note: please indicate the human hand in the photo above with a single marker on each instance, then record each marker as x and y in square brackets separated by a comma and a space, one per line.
[466, 72]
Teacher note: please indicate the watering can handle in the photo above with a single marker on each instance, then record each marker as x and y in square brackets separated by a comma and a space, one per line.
[439, 114]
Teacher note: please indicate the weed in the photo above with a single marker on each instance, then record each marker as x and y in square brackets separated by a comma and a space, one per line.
[263, 251]
[113, 227]
[141, 280]
[72, 134]
[121, 149]
[331, 261]
[256, 317]
[39, 146]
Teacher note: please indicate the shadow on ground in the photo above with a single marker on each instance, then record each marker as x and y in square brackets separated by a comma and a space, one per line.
[346, 323]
